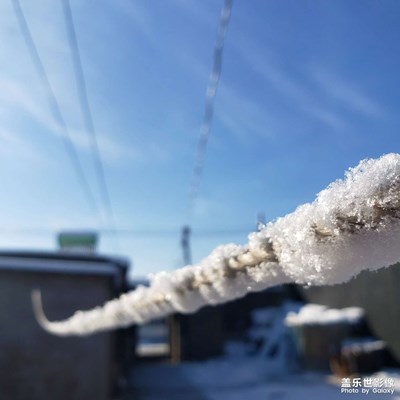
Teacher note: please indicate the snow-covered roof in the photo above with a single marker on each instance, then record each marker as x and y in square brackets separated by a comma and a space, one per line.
[365, 345]
[60, 263]
[315, 314]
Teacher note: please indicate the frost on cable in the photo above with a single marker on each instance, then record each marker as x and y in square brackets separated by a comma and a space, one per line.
[352, 225]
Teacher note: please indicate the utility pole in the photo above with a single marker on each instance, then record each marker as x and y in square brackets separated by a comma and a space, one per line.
[175, 320]
[187, 255]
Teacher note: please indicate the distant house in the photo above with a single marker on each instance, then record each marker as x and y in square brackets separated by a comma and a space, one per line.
[203, 334]
[36, 365]
[377, 293]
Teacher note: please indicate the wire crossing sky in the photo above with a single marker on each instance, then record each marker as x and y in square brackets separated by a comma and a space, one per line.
[53, 103]
[86, 111]
[210, 100]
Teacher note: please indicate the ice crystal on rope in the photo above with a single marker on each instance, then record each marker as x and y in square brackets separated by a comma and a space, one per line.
[353, 225]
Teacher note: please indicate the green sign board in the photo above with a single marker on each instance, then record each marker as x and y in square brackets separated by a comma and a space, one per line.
[78, 241]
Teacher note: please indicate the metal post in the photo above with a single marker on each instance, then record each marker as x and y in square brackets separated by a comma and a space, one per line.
[187, 255]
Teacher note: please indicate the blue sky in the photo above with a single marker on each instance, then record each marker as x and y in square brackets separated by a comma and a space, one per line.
[308, 89]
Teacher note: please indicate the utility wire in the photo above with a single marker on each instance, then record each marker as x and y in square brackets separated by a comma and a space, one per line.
[52, 102]
[352, 226]
[37, 231]
[209, 104]
[86, 109]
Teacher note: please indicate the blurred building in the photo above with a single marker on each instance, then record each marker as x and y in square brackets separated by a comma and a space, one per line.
[377, 293]
[36, 365]
[203, 334]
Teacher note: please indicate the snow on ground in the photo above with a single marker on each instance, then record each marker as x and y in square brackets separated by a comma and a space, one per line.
[245, 374]
[242, 378]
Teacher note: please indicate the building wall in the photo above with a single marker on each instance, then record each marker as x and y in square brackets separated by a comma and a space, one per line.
[237, 313]
[201, 334]
[377, 292]
[35, 365]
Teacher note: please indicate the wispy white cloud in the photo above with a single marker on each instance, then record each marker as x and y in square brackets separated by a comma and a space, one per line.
[120, 153]
[208, 207]
[139, 15]
[199, 11]
[16, 100]
[326, 116]
[300, 89]
[292, 90]
[346, 93]
[22, 99]
[15, 147]
[15, 97]
[243, 116]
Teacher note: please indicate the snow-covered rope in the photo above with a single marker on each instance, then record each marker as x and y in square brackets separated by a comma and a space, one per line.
[353, 225]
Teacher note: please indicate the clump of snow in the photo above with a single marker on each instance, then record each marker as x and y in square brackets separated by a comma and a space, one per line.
[272, 338]
[353, 225]
[364, 345]
[315, 314]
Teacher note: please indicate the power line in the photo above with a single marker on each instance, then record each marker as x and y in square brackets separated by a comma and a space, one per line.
[52, 102]
[352, 226]
[209, 104]
[86, 109]
[38, 231]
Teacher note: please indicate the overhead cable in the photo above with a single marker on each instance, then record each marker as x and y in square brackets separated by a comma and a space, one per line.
[38, 231]
[53, 103]
[353, 225]
[86, 109]
[209, 103]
